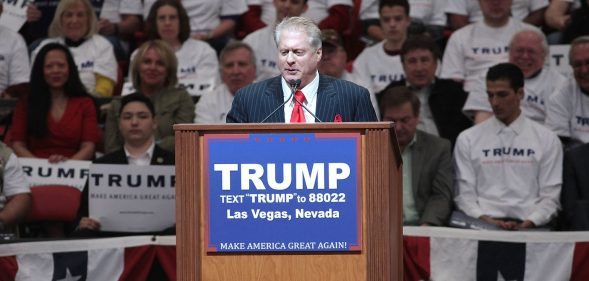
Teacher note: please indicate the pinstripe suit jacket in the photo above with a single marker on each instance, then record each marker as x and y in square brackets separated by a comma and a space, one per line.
[253, 103]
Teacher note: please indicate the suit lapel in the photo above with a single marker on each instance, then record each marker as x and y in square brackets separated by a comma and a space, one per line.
[275, 98]
[120, 157]
[326, 101]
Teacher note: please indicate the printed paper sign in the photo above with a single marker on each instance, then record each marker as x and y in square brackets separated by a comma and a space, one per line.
[14, 13]
[127, 198]
[40, 172]
[283, 192]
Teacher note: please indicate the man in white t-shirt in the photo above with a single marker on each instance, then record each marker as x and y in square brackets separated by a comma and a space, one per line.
[15, 199]
[380, 64]
[529, 51]
[14, 63]
[472, 49]
[568, 109]
[262, 40]
[427, 12]
[462, 12]
[508, 168]
[238, 69]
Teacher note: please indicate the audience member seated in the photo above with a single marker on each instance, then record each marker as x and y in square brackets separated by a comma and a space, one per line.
[14, 63]
[575, 189]
[431, 14]
[427, 161]
[474, 48]
[579, 25]
[529, 51]
[238, 69]
[508, 168]
[74, 25]
[197, 61]
[137, 125]
[154, 74]
[568, 110]
[262, 41]
[15, 198]
[40, 14]
[334, 57]
[441, 99]
[330, 14]
[57, 120]
[380, 64]
[425, 12]
[558, 16]
[462, 12]
[211, 21]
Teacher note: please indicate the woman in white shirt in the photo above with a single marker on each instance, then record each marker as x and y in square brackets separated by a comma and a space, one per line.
[74, 25]
[198, 67]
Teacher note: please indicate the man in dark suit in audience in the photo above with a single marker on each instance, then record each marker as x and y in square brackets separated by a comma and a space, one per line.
[441, 99]
[427, 161]
[575, 189]
[137, 124]
[321, 98]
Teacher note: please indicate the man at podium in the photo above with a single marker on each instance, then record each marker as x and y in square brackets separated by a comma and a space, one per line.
[300, 94]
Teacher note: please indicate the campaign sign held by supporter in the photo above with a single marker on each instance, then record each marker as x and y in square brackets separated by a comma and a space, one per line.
[40, 172]
[296, 192]
[14, 14]
[126, 198]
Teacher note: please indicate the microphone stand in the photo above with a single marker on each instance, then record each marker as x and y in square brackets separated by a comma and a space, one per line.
[294, 84]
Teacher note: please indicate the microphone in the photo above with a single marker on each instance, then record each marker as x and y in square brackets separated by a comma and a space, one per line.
[294, 84]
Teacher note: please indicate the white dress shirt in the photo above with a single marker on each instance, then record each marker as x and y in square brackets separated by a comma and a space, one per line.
[142, 160]
[310, 92]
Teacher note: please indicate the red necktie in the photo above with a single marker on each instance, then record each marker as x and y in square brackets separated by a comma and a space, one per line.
[298, 115]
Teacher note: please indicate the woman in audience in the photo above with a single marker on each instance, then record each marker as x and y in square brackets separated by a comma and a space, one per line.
[74, 25]
[57, 120]
[154, 75]
[197, 61]
[211, 21]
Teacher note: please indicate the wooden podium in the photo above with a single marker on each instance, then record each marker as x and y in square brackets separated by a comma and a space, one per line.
[381, 256]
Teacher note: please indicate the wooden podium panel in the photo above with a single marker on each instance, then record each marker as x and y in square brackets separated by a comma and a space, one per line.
[381, 256]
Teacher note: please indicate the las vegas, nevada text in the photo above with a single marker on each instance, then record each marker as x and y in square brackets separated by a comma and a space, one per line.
[256, 179]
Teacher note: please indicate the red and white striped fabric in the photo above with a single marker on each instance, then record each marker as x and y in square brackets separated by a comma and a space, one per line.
[128, 258]
[430, 253]
[434, 253]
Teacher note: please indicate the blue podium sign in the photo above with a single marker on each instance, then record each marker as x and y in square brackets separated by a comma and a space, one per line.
[296, 192]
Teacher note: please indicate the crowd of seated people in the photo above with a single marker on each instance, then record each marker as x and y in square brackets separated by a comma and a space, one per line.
[426, 65]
